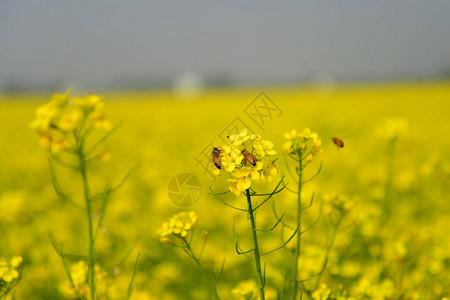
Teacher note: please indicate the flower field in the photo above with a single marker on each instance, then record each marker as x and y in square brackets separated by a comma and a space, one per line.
[285, 211]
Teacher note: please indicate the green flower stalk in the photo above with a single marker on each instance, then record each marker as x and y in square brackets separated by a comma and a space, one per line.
[64, 125]
[255, 245]
[302, 148]
[247, 158]
[178, 232]
[391, 131]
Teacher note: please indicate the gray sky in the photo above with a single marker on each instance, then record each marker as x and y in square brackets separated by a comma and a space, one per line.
[94, 43]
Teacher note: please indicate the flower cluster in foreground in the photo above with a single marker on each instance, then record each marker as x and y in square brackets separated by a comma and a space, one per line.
[307, 144]
[64, 116]
[8, 269]
[247, 157]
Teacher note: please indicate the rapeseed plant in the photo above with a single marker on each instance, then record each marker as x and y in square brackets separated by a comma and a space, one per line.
[178, 232]
[9, 274]
[247, 158]
[64, 126]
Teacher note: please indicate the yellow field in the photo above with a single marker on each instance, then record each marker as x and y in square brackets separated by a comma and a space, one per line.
[400, 254]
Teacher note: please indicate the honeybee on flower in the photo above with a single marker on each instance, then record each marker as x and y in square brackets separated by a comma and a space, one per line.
[215, 157]
[247, 157]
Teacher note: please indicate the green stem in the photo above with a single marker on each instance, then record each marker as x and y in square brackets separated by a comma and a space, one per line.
[390, 156]
[91, 263]
[255, 245]
[327, 252]
[212, 284]
[299, 224]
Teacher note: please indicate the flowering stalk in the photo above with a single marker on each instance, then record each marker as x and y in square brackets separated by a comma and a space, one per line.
[91, 260]
[301, 147]
[255, 246]
[299, 226]
[63, 126]
[209, 278]
[391, 131]
[176, 232]
[248, 158]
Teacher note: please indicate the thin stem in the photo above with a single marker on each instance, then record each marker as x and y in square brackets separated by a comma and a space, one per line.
[299, 226]
[255, 245]
[212, 284]
[327, 252]
[390, 157]
[91, 263]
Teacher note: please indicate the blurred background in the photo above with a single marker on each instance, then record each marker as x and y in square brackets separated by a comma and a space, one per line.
[177, 78]
[115, 44]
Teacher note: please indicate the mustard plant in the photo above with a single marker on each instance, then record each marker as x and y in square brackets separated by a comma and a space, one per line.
[179, 232]
[10, 275]
[302, 148]
[65, 126]
[390, 132]
[247, 158]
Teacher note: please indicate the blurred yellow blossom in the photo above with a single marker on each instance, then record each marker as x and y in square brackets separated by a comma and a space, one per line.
[56, 121]
[8, 269]
[79, 285]
[246, 290]
[335, 201]
[179, 225]
[322, 293]
[306, 144]
[393, 129]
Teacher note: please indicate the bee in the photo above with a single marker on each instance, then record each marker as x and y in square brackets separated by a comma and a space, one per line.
[215, 157]
[249, 157]
[338, 142]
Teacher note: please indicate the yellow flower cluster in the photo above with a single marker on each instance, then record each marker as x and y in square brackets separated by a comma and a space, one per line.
[179, 225]
[78, 274]
[306, 144]
[337, 201]
[322, 293]
[393, 129]
[247, 157]
[8, 269]
[57, 121]
[246, 290]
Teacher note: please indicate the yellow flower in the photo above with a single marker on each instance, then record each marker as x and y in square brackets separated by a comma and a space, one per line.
[16, 261]
[239, 138]
[264, 147]
[291, 134]
[70, 120]
[322, 293]
[44, 116]
[245, 157]
[99, 120]
[78, 272]
[59, 99]
[179, 225]
[246, 290]
[8, 270]
[88, 101]
[58, 143]
[393, 129]
[306, 143]
[239, 185]
[55, 121]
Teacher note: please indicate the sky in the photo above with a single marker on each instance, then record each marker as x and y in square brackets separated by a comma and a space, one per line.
[105, 43]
